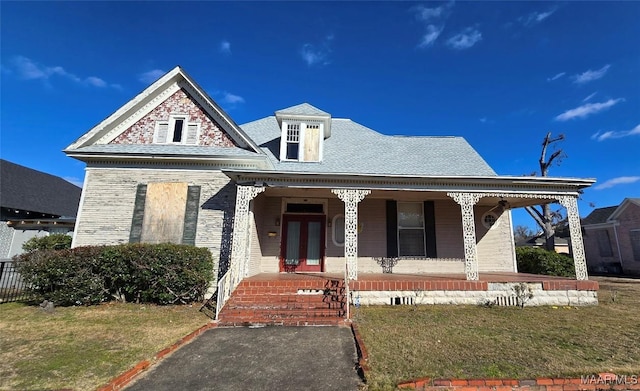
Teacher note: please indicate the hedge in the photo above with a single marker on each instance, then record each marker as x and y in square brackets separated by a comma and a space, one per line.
[49, 242]
[142, 273]
[540, 261]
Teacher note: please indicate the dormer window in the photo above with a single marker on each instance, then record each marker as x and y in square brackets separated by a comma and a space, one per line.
[176, 131]
[303, 131]
[293, 141]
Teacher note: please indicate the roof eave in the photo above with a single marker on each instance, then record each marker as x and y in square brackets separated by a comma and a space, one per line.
[570, 184]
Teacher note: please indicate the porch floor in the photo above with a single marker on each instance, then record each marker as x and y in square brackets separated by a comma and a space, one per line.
[400, 281]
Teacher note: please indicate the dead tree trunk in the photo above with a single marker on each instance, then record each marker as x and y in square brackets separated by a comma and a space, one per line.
[544, 215]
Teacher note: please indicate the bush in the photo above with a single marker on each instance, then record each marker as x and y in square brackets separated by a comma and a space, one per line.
[144, 273]
[540, 261]
[65, 277]
[49, 242]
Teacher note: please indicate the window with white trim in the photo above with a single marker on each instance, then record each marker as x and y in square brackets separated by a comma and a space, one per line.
[411, 235]
[176, 131]
[293, 141]
[338, 230]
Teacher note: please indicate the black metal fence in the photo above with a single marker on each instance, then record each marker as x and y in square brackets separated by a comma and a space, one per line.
[12, 288]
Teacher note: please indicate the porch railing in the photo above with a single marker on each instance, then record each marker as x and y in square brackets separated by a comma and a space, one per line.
[225, 288]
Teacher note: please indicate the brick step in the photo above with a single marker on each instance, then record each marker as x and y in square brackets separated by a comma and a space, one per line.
[270, 313]
[286, 298]
[289, 322]
[279, 290]
[286, 306]
[289, 285]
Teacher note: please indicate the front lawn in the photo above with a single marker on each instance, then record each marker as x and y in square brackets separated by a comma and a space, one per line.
[407, 342]
[82, 348]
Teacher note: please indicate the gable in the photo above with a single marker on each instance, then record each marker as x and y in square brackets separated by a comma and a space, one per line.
[210, 133]
[130, 123]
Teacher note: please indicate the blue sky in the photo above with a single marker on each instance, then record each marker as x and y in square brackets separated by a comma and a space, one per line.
[500, 74]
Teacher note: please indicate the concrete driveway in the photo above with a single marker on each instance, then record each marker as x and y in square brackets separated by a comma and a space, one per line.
[266, 358]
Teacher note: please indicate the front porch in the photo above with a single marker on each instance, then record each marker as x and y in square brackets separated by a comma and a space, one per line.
[321, 298]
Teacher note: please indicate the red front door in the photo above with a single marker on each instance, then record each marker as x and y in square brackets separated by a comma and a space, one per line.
[302, 246]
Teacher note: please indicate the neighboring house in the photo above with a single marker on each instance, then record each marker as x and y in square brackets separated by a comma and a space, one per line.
[33, 203]
[612, 238]
[299, 191]
[561, 244]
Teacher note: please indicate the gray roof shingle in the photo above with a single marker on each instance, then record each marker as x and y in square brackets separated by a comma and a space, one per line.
[356, 149]
[599, 216]
[303, 109]
[26, 189]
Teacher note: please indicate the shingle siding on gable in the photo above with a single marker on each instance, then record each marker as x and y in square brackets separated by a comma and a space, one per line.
[211, 134]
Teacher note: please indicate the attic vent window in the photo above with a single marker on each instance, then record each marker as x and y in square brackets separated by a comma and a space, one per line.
[176, 131]
[293, 141]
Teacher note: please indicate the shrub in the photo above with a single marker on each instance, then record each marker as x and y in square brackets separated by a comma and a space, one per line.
[49, 242]
[540, 261]
[65, 277]
[144, 273]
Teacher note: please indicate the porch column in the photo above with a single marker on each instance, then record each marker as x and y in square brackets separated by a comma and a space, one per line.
[570, 203]
[240, 239]
[351, 198]
[466, 202]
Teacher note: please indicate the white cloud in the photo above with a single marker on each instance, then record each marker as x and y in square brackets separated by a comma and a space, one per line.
[601, 136]
[225, 47]
[151, 76]
[433, 20]
[536, 17]
[317, 54]
[231, 98]
[28, 69]
[587, 109]
[556, 76]
[465, 39]
[430, 36]
[96, 81]
[427, 14]
[623, 180]
[589, 97]
[590, 75]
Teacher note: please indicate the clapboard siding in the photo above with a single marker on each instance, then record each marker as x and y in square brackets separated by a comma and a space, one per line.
[270, 209]
[495, 246]
[109, 200]
[255, 221]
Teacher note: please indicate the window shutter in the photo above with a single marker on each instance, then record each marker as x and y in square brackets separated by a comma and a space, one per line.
[192, 134]
[162, 130]
[191, 215]
[138, 214]
[392, 228]
[430, 228]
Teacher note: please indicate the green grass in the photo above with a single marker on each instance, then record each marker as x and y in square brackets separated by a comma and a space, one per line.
[84, 347]
[505, 342]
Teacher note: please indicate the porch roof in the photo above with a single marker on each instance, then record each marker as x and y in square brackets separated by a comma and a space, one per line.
[476, 184]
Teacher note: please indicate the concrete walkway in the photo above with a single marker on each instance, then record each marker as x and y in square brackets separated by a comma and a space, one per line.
[267, 358]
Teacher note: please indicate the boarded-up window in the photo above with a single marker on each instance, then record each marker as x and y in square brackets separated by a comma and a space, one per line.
[604, 243]
[165, 213]
[635, 243]
[312, 143]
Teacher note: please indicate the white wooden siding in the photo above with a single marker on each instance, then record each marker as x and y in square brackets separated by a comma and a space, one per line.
[109, 198]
